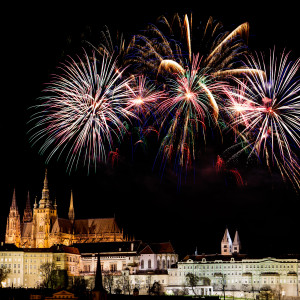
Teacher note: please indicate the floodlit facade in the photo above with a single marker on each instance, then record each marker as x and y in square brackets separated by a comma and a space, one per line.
[237, 274]
[43, 228]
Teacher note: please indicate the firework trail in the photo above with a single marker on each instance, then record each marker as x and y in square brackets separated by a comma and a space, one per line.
[264, 113]
[145, 96]
[170, 48]
[221, 168]
[83, 111]
[186, 113]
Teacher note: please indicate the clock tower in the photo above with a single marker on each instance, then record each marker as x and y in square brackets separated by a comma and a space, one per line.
[44, 216]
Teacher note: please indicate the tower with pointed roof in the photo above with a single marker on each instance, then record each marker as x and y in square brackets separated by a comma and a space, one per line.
[226, 243]
[42, 228]
[44, 216]
[236, 246]
[71, 213]
[27, 216]
[13, 225]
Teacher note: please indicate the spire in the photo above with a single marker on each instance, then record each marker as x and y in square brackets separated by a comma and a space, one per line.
[71, 213]
[226, 243]
[236, 243]
[226, 237]
[13, 233]
[98, 276]
[14, 202]
[45, 201]
[27, 216]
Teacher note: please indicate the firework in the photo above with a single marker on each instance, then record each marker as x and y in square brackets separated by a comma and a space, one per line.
[144, 97]
[222, 169]
[186, 112]
[264, 113]
[83, 111]
[170, 48]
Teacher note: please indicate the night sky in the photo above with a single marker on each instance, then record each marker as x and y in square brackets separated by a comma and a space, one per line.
[149, 207]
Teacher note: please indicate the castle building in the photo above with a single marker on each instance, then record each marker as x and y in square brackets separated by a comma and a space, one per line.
[236, 274]
[42, 227]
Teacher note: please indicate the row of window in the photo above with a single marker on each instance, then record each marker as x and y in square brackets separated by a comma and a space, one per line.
[238, 266]
[160, 264]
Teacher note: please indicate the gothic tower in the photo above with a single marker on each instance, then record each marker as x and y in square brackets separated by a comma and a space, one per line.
[27, 216]
[71, 213]
[236, 246]
[13, 228]
[226, 244]
[44, 217]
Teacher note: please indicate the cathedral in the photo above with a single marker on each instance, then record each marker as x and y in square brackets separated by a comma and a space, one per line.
[42, 228]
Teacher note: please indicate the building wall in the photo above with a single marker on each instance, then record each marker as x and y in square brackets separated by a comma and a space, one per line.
[245, 276]
[157, 261]
[13, 260]
[32, 264]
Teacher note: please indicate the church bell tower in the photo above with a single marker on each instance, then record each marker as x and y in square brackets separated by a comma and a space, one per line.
[44, 217]
[226, 244]
[13, 226]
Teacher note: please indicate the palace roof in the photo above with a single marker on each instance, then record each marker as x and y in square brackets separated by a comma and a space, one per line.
[157, 248]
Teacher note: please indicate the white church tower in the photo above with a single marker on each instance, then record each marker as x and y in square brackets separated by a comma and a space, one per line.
[236, 246]
[226, 244]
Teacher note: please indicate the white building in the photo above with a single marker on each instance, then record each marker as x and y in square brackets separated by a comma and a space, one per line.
[238, 274]
[25, 263]
[140, 264]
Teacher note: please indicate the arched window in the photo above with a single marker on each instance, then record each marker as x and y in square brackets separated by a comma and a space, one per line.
[142, 264]
[158, 264]
[163, 264]
[149, 264]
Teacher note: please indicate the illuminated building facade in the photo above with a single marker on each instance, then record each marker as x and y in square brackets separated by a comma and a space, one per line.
[238, 274]
[42, 228]
[25, 263]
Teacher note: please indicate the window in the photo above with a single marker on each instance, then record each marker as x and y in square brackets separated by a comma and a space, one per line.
[142, 264]
[113, 267]
[158, 264]
[149, 264]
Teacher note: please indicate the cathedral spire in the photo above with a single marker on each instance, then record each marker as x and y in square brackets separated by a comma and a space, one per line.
[45, 201]
[71, 213]
[226, 243]
[13, 229]
[236, 243]
[27, 216]
[14, 202]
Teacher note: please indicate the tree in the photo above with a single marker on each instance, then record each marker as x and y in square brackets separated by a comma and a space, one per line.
[4, 271]
[79, 285]
[108, 282]
[125, 283]
[266, 293]
[49, 274]
[205, 280]
[192, 280]
[156, 288]
[61, 279]
[221, 284]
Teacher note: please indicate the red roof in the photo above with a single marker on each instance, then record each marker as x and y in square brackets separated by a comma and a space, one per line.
[158, 248]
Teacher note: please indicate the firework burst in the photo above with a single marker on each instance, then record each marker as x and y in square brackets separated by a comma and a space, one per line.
[191, 105]
[168, 46]
[82, 114]
[264, 113]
